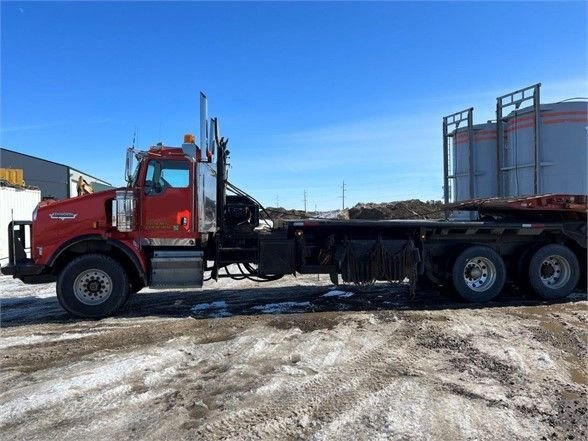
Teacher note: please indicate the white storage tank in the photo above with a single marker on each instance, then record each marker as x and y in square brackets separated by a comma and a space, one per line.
[17, 203]
[484, 174]
[563, 145]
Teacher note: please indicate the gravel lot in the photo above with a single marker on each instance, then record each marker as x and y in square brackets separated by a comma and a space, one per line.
[293, 359]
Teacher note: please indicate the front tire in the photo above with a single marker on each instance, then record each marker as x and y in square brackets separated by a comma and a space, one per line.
[92, 286]
[478, 274]
[554, 271]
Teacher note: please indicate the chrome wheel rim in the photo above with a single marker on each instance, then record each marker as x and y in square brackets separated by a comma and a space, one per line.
[479, 274]
[93, 287]
[555, 272]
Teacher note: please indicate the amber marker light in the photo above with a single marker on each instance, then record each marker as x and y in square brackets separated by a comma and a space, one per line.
[189, 139]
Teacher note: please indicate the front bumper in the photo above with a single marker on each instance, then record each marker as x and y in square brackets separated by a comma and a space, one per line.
[28, 272]
[20, 266]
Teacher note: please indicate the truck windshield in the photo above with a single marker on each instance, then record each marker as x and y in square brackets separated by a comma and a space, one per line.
[162, 174]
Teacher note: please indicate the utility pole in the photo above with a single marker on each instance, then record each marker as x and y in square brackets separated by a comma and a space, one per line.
[343, 194]
[305, 201]
[277, 201]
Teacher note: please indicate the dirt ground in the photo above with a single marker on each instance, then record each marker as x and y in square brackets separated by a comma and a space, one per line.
[294, 359]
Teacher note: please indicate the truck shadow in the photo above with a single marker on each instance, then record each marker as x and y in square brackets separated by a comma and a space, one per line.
[222, 303]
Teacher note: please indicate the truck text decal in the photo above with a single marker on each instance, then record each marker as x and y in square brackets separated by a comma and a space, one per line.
[63, 216]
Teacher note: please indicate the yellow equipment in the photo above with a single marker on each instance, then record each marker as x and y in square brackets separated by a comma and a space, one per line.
[83, 187]
[14, 176]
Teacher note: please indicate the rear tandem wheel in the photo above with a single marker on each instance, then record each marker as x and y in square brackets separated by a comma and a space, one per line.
[478, 274]
[554, 271]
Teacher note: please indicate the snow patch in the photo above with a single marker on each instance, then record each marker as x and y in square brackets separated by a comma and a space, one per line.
[214, 309]
[81, 378]
[7, 342]
[278, 308]
[337, 293]
[12, 289]
[213, 305]
[545, 361]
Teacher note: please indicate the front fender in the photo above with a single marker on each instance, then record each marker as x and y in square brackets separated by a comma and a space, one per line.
[95, 242]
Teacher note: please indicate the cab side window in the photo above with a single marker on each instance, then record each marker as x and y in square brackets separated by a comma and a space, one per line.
[166, 174]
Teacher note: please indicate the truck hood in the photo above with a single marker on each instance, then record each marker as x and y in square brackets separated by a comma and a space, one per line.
[57, 221]
[78, 201]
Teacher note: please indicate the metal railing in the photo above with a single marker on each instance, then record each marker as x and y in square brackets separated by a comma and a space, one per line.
[450, 125]
[515, 99]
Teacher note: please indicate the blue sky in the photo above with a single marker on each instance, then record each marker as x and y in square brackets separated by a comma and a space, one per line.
[310, 94]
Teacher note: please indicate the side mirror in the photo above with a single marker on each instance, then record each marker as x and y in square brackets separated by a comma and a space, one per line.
[129, 166]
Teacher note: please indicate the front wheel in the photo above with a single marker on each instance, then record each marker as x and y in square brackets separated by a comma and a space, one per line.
[92, 286]
[478, 274]
[554, 271]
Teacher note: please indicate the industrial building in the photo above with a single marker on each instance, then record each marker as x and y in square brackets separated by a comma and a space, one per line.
[531, 148]
[42, 179]
[55, 180]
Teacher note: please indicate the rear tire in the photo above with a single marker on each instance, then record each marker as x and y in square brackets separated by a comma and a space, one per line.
[554, 271]
[478, 274]
[92, 286]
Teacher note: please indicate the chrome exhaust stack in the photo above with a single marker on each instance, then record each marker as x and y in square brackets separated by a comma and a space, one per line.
[203, 126]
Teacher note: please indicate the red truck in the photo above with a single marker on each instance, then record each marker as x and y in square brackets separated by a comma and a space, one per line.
[179, 219]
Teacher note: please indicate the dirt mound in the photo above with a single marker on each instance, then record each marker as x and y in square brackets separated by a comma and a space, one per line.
[282, 213]
[410, 209]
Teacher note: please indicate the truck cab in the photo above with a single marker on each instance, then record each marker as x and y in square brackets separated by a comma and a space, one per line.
[157, 231]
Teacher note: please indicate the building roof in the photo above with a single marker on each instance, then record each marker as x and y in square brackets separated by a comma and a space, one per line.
[56, 163]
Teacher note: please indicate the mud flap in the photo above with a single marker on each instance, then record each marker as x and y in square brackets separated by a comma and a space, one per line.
[392, 260]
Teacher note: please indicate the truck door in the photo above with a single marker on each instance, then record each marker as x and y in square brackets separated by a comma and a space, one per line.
[167, 203]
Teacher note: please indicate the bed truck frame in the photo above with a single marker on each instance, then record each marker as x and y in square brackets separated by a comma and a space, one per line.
[174, 223]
